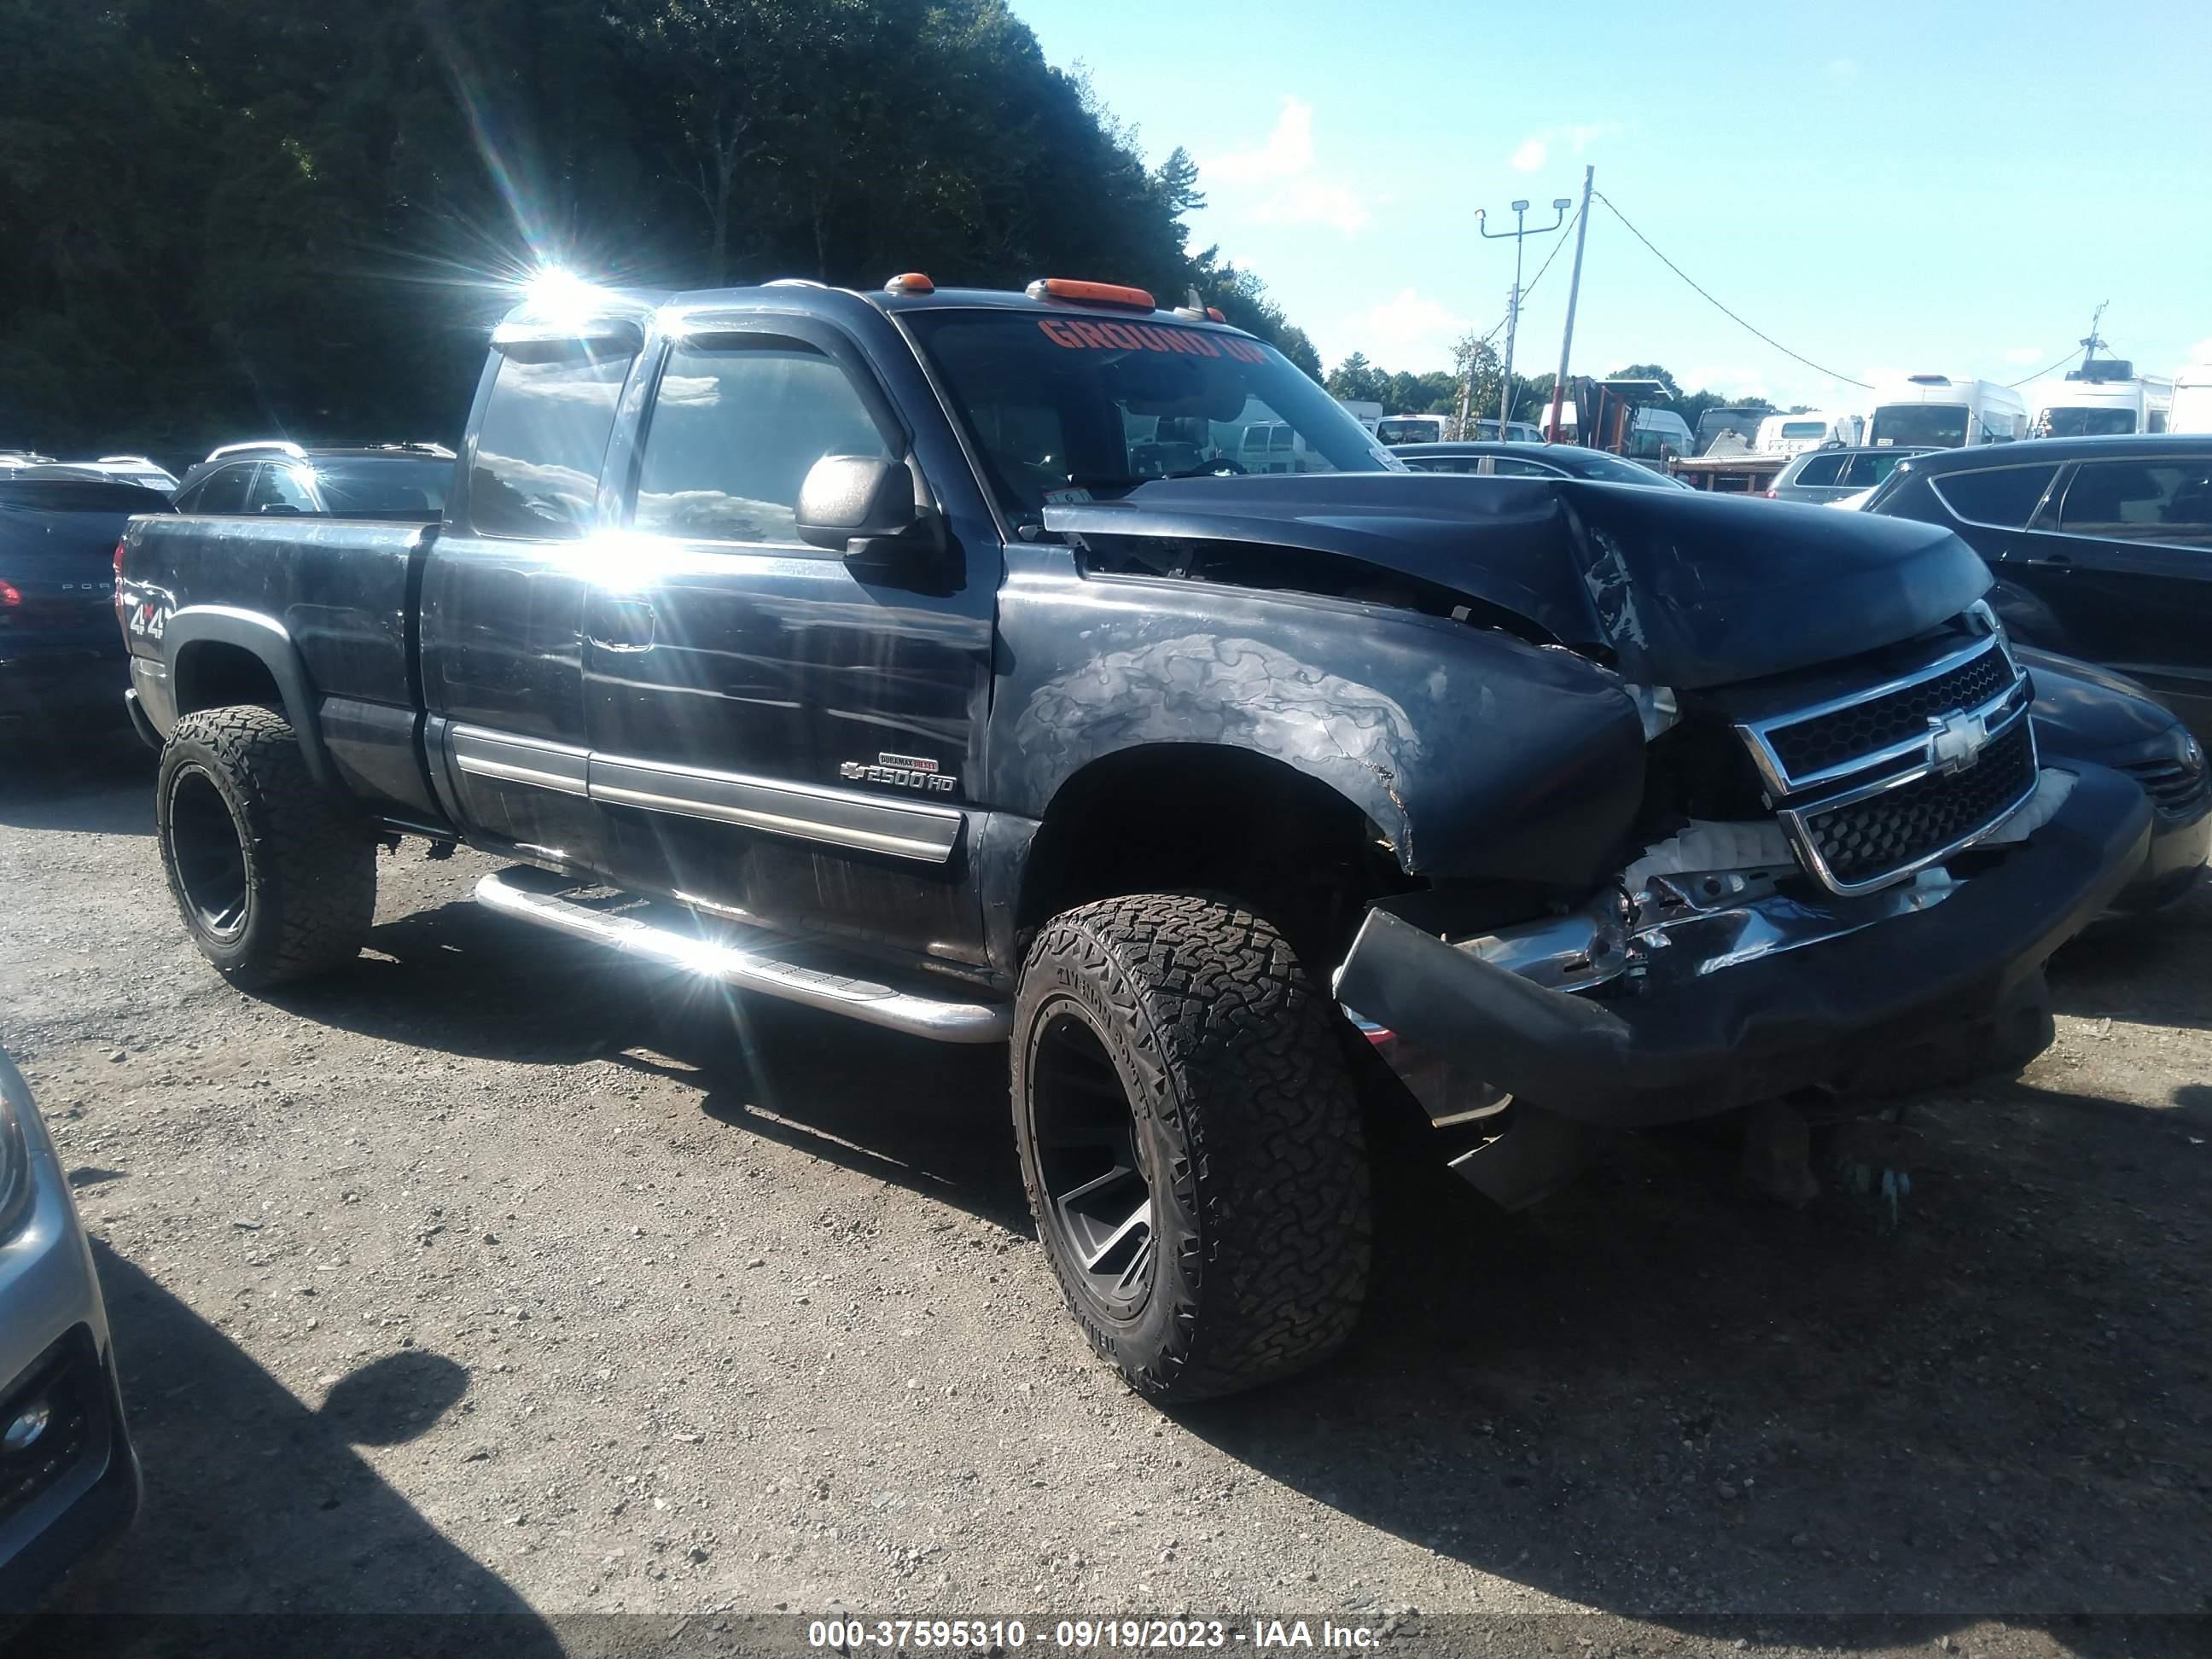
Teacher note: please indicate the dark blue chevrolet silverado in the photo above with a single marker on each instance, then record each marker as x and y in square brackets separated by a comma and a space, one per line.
[920, 655]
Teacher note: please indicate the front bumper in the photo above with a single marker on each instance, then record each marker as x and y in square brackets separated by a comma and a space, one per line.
[75, 1485]
[1828, 1017]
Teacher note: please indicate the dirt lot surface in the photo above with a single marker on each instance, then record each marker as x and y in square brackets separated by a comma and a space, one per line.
[489, 1276]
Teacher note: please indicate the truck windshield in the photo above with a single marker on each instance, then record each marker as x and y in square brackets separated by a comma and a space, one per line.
[2088, 422]
[1941, 426]
[1067, 408]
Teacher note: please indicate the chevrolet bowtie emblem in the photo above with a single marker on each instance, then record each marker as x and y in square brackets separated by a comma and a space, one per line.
[1955, 741]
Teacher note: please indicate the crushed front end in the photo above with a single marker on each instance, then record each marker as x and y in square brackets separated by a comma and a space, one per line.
[1845, 880]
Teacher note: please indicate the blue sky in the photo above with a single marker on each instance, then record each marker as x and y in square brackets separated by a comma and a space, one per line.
[1882, 188]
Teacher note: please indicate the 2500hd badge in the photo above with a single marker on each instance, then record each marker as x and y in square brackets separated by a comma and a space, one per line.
[900, 771]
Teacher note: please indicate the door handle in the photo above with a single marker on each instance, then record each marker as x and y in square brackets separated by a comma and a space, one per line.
[624, 625]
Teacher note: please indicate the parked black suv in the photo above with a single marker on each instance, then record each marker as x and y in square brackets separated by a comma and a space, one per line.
[2102, 548]
[280, 479]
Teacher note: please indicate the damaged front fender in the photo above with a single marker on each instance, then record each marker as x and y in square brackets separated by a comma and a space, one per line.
[1473, 752]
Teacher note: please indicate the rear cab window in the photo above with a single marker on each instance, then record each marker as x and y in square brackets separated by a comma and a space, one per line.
[542, 439]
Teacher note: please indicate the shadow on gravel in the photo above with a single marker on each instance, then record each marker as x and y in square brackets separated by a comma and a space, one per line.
[256, 1504]
[932, 1117]
[2148, 971]
[1658, 1395]
[100, 782]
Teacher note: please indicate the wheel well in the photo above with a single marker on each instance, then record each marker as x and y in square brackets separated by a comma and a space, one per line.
[1175, 816]
[213, 674]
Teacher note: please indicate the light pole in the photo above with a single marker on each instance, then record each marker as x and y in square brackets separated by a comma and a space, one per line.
[1519, 232]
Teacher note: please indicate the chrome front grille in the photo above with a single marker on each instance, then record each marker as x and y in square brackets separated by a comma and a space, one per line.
[1875, 785]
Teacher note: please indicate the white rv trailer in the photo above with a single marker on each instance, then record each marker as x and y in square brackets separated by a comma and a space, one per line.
[1941, 412]
[2107, 397]
[1793, 435]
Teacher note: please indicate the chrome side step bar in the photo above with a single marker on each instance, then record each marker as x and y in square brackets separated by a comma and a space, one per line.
[747, 962]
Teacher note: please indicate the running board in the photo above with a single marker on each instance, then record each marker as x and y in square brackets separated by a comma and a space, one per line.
[750, 966]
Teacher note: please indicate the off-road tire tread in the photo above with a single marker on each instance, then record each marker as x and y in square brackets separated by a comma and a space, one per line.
[1243, 1063]
[313, 865]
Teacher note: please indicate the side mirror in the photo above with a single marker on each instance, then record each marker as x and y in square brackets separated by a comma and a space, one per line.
[861, 506]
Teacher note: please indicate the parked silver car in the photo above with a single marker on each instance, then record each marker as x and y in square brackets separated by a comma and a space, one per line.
[69, 1478]
[1821, 475]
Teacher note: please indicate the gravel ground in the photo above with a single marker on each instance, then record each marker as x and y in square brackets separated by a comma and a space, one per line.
[487, 1276]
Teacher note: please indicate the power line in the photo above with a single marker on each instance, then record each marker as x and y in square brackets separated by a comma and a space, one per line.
[2040, 372]
[1548, 258]
[1723, 309]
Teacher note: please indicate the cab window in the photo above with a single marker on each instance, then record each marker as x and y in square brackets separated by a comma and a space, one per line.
[735, 431]
[222, 490]
[541, 442]
[1820, 470]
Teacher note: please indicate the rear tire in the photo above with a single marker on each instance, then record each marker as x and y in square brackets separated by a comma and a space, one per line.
[1191, 1143]
[273, 879]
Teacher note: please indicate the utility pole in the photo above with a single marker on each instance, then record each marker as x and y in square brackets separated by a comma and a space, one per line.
[1520, 233]
[2089, 346]
[1574, 293]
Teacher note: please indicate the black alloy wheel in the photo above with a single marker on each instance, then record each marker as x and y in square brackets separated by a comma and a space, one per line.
[1092, 1161]
[209, 848]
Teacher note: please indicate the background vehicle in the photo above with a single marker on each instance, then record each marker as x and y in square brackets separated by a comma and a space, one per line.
[1812, 428]
[1937, 412]
[1412, 429]
[1651, 435]
[133, 468]
[2083, 712]
[2107, 398]
[69, 1478]
[1830, 475]
[840, 634]
[60, 658]
[1365, 411]
[387, 481]
[2102, 548]
[2192, 401]
[1530, 460]
[1743, 422]
[1275, 446]
[1515, 432]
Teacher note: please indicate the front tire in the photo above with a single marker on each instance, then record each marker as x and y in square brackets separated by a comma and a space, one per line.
[275, 881]
[1191, 1143]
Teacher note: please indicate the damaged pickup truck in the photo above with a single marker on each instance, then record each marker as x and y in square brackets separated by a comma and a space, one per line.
[919, 656]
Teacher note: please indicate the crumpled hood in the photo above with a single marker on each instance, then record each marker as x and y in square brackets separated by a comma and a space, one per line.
[1687, 589]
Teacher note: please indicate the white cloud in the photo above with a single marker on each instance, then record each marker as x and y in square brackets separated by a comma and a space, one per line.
[1842, 71]
[2024, 356]
[1288, 150]
[1405, 331]
[1537, 149]
[1276, 183]
[2201, 351]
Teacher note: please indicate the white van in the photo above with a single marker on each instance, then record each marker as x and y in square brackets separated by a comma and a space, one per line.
[1274, 447]
[1411, 430]
[2089, 403]
[1942, 413]
[2192, 401]
[1793, 435]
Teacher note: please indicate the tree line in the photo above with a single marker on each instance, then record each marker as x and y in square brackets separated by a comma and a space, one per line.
[245, 218]
[1438, 391]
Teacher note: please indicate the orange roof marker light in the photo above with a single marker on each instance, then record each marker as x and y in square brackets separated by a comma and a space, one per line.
[1097, 294]
[1214, 312]
[909, 282]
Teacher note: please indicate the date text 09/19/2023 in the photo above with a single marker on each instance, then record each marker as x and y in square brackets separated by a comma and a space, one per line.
[1088, 1635]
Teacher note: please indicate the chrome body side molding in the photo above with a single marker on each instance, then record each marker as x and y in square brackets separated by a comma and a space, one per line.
[839, 818]
[843, 818]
